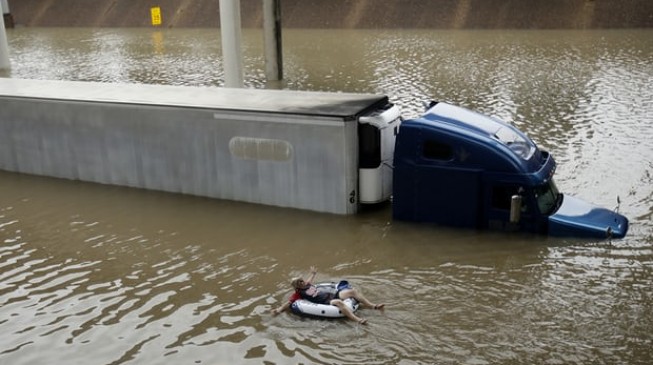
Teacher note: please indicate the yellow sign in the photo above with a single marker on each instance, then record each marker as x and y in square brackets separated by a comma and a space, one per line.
[156, 15]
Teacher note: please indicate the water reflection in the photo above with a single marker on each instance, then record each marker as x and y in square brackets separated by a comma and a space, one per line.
[98, 274]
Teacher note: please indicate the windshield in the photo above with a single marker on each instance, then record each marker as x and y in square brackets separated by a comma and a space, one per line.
[519, 145]
[548, 198]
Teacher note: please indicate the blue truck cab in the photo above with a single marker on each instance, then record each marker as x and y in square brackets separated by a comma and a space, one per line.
[455, 167]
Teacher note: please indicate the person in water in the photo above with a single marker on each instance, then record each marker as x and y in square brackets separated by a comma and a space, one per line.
[304, 289]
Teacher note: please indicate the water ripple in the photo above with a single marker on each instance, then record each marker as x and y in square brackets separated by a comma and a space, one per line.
[94, 274]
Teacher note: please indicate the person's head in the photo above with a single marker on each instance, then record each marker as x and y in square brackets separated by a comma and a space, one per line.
[298, 283]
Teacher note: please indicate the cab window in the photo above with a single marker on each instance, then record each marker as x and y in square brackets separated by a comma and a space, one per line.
[434, 150]
[502, 197]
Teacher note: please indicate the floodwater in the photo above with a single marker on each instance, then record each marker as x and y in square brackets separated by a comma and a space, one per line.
[93, 274]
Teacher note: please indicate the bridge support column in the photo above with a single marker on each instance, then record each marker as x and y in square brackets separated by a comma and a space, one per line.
[6, 14]
[230, 30]
[272, 38]
[4, 46]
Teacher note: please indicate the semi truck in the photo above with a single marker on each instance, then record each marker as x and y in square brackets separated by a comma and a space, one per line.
[456, 167]
[326, 152]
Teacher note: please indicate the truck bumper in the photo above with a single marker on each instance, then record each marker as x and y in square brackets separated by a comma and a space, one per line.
[578, 218]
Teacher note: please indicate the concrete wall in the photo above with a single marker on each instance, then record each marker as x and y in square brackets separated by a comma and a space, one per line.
[450, 14]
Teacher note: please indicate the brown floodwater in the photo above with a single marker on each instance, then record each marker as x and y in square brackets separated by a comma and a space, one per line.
[93, 274]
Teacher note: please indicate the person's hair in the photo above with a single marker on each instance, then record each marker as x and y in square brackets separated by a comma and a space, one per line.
[295, 282]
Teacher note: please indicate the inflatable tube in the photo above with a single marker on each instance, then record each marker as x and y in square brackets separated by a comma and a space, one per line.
[305, 308]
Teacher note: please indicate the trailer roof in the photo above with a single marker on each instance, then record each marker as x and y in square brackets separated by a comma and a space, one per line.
[340, 105]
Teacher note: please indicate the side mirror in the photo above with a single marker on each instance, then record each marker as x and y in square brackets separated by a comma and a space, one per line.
[515, 208]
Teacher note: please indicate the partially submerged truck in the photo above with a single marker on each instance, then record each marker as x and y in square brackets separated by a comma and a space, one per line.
[456, 167]
[327, 152]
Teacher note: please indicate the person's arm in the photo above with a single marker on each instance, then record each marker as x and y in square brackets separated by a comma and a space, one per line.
[311, 277]
[281, 308]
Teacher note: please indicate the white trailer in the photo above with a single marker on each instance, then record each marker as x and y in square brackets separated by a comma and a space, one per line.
[325, 152]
